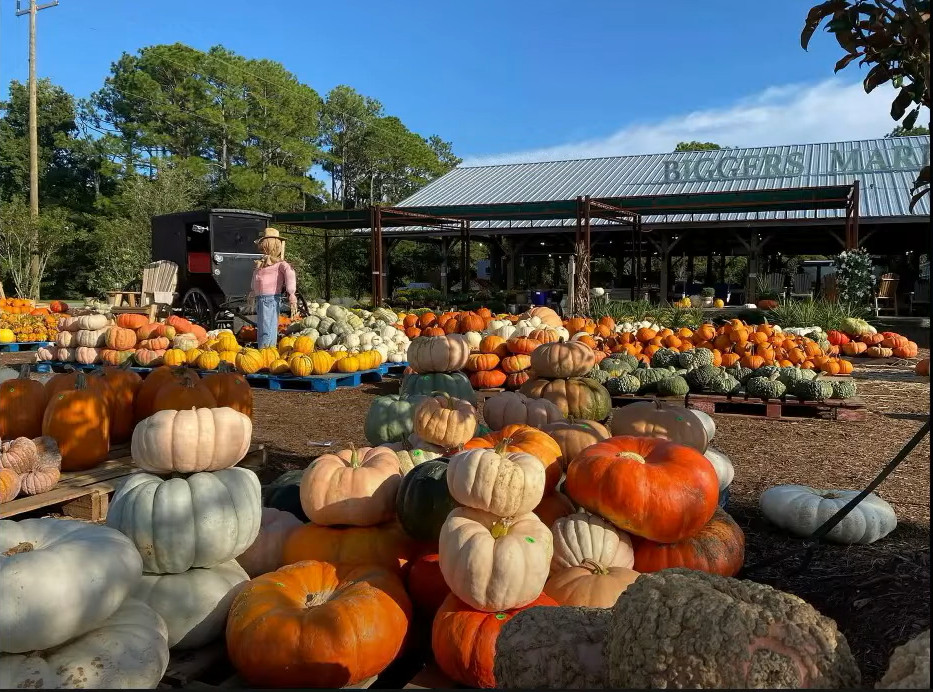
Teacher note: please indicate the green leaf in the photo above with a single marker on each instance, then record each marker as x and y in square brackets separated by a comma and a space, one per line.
[879, 74]
[911, 118]
[845, 61]
[921, 187]
[816, 15]
[899, 106]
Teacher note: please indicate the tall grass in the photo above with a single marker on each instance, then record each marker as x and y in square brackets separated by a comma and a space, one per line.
[815, 313]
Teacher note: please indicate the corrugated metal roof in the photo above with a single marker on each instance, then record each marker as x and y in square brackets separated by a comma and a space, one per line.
[886, 169]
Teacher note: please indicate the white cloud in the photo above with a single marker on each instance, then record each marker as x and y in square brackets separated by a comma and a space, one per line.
[828, 111]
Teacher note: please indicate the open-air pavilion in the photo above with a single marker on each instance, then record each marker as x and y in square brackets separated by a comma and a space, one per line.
[641, 212]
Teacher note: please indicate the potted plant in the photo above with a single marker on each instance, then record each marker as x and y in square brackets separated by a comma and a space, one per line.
[767, 299]
[707, 294]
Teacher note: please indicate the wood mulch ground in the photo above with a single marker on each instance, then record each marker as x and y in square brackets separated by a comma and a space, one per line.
[878, 594]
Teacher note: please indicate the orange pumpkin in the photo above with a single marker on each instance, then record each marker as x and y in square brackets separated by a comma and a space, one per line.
[22, 404]
[514, 380]
[524, 438]
[426, 584]
[183, 393]
[646, 486]
[845, 366]
[386, 544]
[923, 368]
[79, 421]
[718, 548]
[471, 322]
[516, 363]
[494, 344]
[123, 384]
[478, 362]
[433, 331]
[487, 379]
[464, 640]
[131, 320]
[230, 389]
[427, 319]
[522, 345]
[302, 625]
[553, 506]
[145, 395]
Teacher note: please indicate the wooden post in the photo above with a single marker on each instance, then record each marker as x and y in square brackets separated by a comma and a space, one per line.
[665, 266]
[754, 260]
[445, 252]
[326, 266]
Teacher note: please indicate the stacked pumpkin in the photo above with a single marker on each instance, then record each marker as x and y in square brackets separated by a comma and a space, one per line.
[344, 567]
[494, 552]
[874, 345]
[93, 338]
[99, 635]
[560, 368]
[28, 466]
[437, 363]
[190, 514]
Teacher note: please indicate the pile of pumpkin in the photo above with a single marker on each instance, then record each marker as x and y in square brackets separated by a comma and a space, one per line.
[36, 326]
[136, 589]
[472, 519]
[335, 329]
[105, 406]
[873, 344]
[94, 337]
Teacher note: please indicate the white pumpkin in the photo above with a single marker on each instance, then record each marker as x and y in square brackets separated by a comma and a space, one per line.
[506, 484]
[723, 465]
[204, 439]
[129, 650]
[708, 423]
[801, 510]
[265, 554]
[194, 604]
[92, 338]
[583, 536]
[60, 578]
[506, 331]
[492, 563]
[180, 523]
[473, 340]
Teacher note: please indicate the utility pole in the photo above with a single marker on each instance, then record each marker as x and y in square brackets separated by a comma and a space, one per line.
[33, 143]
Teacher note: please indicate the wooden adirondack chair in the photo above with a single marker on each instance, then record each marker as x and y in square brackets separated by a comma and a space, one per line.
[801, 286]
[157, 295]
[886, 293]
[773, 282]
[920, 296]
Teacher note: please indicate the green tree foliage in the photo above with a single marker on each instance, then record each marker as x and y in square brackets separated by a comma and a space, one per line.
[697, 146]
[901, 131]
[893, 38]
[174, 128]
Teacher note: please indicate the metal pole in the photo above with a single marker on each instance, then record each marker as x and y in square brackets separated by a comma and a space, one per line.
[33, 145]
[326, 266]
[855, 210]
[378, 296]
[586, 245]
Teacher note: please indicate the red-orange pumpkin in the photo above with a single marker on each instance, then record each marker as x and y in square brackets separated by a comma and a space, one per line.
[426, 584]
[131, 320]
[314, 624]
[553, 506]
[719, 548]
[464, 640]
[487, 379]
[646, 486]
[522, 345]
[386, 544]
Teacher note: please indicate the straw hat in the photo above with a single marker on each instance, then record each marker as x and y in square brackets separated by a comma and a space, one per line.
[268, 233]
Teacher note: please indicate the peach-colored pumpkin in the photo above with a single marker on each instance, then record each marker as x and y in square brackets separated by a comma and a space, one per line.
[353, 487]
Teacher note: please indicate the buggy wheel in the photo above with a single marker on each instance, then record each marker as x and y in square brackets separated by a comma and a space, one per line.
[198, 307]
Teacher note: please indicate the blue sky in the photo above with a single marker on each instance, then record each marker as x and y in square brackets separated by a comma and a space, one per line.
[504, 80]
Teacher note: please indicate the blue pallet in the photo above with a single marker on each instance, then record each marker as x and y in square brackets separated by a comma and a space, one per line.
[393, 369]
[62, 366]
[314, 383]
[19, 346]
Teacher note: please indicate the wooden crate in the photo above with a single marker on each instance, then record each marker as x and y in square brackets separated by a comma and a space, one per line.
[785, 408]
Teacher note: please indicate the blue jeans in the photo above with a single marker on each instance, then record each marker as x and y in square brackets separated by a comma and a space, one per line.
[267, 320]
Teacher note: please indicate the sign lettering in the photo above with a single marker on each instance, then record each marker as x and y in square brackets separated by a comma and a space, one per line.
[726, 165]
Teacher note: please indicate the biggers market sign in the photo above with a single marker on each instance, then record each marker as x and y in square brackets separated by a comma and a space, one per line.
[726, 165]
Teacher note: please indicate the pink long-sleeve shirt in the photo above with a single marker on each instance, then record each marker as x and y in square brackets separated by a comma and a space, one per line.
[268, 281]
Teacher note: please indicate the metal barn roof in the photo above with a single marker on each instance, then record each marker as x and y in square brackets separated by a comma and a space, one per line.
[886, 168]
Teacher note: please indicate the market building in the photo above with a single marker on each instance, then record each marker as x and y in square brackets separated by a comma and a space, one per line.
[641, 213]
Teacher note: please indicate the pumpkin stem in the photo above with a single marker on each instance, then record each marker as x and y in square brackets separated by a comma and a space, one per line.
[313, 600]
[501, 528]
[594, 566]
[632, 456]
[23, 547]
[354, 457]
[500, 448]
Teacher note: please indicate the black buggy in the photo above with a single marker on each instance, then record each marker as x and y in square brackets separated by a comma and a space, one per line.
[215, 251]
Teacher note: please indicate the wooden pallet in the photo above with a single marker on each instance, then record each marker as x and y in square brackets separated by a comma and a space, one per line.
[86, 494]
[18, 346]
[786, 408]
[620, 400]
[314, 383]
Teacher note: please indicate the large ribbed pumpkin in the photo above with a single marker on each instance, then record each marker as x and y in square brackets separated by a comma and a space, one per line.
[562, 359]
[719, 548]
[576, 397]
[386, 544]
[646, 486]
[524, 438]
[314, 624]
